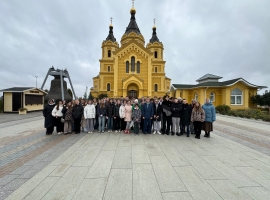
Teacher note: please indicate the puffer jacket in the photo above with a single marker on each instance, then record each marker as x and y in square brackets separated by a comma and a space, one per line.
[197, 115]
[110, 109]
[176, 109]
[122, 111]
[116, 110]
[58, 112]
[89, 112]
[210, 112]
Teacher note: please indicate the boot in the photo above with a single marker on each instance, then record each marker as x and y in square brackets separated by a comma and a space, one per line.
[208, 135]
[205, 135]
[172, 134]
[199, 136]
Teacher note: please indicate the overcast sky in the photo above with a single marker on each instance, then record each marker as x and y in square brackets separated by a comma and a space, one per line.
[225, 38]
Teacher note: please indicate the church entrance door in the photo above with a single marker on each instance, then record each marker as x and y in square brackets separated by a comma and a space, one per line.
[133, 94]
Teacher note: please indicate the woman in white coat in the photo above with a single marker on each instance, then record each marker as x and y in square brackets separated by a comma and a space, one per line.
[57, 113]
[122, 116]
[89, 116]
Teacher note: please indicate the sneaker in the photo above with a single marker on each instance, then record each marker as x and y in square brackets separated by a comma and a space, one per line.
[89, 132]
[102, 131]
[159, 133]
[116, 131]
[59, 133]
[154, 132]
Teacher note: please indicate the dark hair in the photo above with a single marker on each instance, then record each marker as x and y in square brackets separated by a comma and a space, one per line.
[57, 107]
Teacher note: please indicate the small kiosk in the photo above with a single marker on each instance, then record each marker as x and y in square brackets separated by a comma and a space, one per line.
[22, 99]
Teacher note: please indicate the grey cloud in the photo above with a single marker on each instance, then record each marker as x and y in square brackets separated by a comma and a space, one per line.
[226, 38]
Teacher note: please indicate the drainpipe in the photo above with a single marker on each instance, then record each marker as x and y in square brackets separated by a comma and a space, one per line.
[205, 92]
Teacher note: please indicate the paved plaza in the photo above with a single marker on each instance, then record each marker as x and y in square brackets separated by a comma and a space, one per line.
[233, 164]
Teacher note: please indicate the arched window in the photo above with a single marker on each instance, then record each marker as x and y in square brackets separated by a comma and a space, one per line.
[156, 69]
[109, 53]
[109, 68]
[212, 97]
[132, 64]
[155, 54]
[138, 67]
[156, 87]
[127, 67]
[236, 97]
[108, 87]
[196, 97]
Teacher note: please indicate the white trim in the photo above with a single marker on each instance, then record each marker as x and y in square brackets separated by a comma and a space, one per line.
[251, 85]
[26, 90]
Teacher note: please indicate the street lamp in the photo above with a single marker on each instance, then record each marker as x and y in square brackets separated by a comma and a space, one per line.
[36, 80]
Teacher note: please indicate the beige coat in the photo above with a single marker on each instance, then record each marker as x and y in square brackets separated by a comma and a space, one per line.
[128, 113]
[197, 115]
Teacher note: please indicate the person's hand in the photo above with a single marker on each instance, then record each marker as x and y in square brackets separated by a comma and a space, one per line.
[151, 118]
[114, 117]
[106, 117]
[143, 117]
[157, 116]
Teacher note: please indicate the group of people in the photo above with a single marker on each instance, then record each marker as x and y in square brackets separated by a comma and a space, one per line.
[171, 116]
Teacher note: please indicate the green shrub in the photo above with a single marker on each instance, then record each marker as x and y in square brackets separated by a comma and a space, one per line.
[223, 109]
[250, 113]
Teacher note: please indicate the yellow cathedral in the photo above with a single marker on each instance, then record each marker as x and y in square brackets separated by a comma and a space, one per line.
[131, 69]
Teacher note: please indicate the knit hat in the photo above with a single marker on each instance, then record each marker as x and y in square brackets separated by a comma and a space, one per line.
[136, 101]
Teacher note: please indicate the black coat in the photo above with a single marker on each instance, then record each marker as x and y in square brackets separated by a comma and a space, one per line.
[49, 119]
[77, 111]
[110, 109]
[157, 111]
[186, 114]
[176, 109]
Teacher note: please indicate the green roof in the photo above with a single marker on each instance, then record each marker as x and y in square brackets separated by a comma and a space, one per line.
[214, 84]
[16, 89]
[209, 76]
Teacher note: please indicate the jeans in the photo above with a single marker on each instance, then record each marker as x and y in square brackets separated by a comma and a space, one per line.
[192, 128]
[147, 125]
[157, 125]
[136, 127]
[101, 123]
[110, 123]
[128, 125]
[175, 125]
[183, 129]
[90, 125]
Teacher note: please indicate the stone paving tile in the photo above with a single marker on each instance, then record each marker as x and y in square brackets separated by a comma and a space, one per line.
[257, 192]
[29, 173]
[91, 189]
[14, 184]
[176, 196]
[4, 194]
[21, 169]
[8, 178]
[119, 185]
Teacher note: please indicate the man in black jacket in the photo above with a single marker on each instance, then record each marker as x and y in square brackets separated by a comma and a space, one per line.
[176, 109]
[77, 116]
[185, 117]
[167, 118]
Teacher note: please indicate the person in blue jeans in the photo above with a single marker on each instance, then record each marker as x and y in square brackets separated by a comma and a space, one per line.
[147, 115]
[101, 116]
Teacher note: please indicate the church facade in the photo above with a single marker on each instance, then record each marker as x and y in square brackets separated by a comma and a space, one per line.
[132, 69]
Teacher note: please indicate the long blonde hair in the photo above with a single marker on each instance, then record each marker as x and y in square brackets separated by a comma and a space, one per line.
[198, 108]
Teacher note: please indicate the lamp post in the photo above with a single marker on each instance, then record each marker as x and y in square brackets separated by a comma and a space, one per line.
[36, 80]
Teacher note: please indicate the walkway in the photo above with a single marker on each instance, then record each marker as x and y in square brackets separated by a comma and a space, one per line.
[229, 165]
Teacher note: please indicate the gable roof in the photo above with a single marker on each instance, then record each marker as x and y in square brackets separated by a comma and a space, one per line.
[21, 89]
[209, 76]
[216, 84]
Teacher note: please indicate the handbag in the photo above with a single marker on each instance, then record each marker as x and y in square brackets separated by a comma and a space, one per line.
[62, 120]
[168, 113]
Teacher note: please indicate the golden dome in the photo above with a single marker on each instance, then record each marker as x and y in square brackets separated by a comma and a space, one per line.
[111, 25]
[154, 27]
[132, 10]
